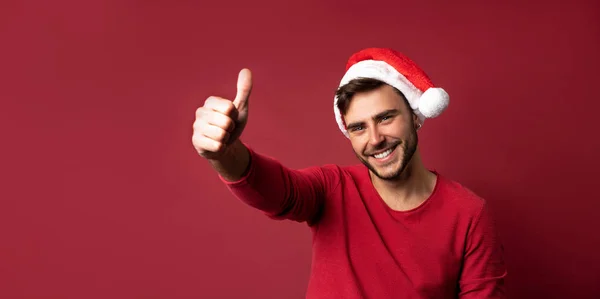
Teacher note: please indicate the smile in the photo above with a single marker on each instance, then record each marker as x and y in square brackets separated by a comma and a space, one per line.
[384, 154]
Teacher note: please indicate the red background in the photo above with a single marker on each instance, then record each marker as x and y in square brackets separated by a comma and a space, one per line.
[103, 195]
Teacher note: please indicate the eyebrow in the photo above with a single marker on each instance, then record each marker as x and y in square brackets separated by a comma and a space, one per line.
[375, 117]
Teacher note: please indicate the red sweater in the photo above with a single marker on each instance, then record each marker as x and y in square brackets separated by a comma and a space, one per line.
[445, 248]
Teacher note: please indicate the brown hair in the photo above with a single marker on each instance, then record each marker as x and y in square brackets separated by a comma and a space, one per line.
[347, 91]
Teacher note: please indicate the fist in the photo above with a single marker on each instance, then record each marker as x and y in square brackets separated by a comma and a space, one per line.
[220, 121]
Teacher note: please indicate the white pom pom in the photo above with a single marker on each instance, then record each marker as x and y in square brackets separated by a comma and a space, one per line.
[433, 102]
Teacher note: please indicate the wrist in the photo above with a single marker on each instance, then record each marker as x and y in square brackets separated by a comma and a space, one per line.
[234, 163]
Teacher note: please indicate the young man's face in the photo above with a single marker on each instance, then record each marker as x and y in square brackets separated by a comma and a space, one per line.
[382, 131]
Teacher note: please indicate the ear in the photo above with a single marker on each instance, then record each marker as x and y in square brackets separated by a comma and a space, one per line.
[416, 122]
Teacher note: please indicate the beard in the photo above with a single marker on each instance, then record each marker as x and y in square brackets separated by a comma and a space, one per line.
[408, 147]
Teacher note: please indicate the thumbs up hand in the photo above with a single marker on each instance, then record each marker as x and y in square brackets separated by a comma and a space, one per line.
[220, 122]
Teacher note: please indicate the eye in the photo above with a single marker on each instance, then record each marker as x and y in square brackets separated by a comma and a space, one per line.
[356, 128]
[385, 118]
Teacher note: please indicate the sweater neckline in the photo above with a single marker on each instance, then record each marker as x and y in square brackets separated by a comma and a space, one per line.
[423, 205]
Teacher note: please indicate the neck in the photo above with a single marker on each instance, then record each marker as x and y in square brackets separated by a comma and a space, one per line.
[414, 185]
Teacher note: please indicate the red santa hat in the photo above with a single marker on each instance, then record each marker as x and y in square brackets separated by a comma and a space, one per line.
[397, 70]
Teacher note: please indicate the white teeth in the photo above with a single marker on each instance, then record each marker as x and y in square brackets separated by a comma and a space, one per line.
[384, 154]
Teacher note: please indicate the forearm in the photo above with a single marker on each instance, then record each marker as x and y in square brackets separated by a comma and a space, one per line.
[234, 163]
[266, 184]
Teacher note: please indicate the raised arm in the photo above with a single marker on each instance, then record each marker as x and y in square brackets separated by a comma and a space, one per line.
[259, 181]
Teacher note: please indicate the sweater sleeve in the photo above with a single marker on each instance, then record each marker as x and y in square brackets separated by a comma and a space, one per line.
[484, 271]
[284, 193]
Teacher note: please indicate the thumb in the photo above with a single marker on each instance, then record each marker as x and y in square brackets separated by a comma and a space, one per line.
[244, 87]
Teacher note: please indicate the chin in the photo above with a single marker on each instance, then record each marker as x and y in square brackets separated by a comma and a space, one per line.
[391, 172]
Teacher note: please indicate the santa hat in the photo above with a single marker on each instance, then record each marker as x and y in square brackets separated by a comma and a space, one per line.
[397, 70]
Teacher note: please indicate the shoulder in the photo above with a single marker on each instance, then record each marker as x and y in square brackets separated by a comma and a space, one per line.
[460, 198]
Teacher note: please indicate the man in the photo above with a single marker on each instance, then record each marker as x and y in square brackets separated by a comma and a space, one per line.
[385, 228]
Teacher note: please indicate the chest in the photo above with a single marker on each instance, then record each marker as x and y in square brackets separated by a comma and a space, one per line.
[421, 252]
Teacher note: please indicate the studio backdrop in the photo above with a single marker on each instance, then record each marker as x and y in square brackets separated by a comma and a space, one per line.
[103, 195]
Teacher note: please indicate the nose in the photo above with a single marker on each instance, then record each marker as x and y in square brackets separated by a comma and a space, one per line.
[375, 137]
